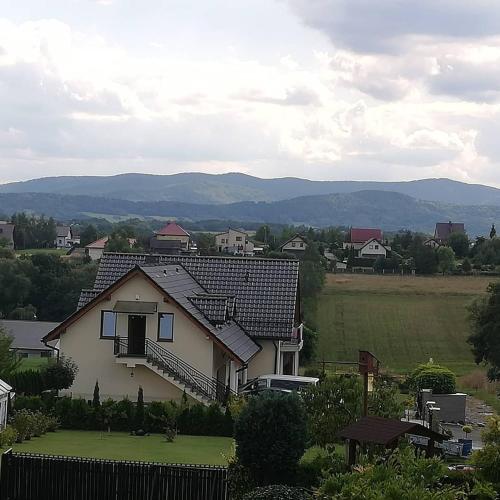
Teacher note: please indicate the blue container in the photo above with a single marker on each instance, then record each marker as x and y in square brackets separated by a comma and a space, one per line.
[467, 446]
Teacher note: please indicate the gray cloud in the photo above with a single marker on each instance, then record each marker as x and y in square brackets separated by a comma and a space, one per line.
[384, 26]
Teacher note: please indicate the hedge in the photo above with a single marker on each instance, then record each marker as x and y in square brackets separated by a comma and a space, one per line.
[79, 414]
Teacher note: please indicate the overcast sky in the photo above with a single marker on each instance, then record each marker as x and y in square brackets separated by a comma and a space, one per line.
[322, 89]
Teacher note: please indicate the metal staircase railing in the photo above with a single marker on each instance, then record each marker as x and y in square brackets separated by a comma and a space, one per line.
[178, 369]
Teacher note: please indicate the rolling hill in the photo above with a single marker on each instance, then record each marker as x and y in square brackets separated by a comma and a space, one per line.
[391, 211]
[235, 187]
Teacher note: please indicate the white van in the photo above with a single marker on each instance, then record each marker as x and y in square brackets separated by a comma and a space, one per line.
[281, 383]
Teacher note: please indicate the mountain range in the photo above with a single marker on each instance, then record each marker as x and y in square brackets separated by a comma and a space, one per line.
[389, 210]
[235, 187]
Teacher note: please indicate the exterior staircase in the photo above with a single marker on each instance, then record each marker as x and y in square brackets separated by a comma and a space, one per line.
[175, 370]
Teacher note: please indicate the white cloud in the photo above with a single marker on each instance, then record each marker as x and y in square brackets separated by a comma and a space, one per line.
[386, 96]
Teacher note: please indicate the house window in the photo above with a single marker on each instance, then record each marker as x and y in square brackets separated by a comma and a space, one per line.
[301, 245]
[239, 238]
[108, 324]
[370, 247]
[293, 243]
[165, 327]
[376, 247]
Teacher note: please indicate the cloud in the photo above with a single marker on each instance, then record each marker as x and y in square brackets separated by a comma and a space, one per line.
[390, 25]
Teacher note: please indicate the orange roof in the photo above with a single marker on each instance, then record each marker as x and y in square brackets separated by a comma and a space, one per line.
[101, 243]
[172, 229]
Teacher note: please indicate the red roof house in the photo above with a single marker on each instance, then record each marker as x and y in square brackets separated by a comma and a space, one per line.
[172, 229]
[362, 235]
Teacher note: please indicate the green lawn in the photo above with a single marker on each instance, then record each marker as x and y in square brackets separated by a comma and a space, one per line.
[35, 251]
[32, 363]
[122, 446]
[403, 321]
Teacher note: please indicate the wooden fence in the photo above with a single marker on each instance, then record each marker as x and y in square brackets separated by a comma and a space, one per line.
[25, 476]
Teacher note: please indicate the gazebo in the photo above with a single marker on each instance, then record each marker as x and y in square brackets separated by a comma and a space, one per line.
[385, 432]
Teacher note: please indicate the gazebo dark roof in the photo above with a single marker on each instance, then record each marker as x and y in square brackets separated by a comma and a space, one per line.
[385, 431]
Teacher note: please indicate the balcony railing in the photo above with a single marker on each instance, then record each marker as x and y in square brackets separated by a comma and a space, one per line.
[166, 361]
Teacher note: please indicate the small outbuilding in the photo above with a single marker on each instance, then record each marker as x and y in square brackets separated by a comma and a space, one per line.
[385, 432]
[5, 390]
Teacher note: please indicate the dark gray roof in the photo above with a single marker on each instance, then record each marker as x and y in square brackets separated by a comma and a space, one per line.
[265, 290]
[183, 288]
[215, 307]
[86, 296]
[62, 231]
[27, 334]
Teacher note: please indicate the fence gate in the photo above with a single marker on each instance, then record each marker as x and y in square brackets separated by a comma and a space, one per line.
[25, 476]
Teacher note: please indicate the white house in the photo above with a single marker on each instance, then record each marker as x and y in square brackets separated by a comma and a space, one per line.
[296, 245]
[373, 249]
[175, 324]
[66, 237]
[27, 337]
[234, 242]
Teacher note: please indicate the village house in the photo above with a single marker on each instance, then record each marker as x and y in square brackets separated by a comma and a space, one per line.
[27, 337]
[66, 237]
[171, 239]
[7, 234]
[432, 243]
[296, 245]
[234, 242]
[95, 249]
[445, 229]
[175, 324]
[367, 243]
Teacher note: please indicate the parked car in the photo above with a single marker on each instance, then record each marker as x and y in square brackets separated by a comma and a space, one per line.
[281, 383]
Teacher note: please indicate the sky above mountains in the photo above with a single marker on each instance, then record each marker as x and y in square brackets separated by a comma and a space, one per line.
[322, 89]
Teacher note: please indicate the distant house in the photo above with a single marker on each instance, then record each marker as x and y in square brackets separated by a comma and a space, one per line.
[358, 237]
[432, 243]
[171, 239]
[373, 249]
[27, 337]
[7, 233]
[296, 245]
[234, 242]
[95, 249]
[445, 229]
[66, 237]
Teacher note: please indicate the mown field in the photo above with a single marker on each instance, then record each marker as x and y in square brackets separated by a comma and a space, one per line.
[402, 320]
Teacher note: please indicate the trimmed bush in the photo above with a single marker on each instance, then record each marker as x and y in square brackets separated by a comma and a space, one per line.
[277, 492]
[32, 403]
[430, 376]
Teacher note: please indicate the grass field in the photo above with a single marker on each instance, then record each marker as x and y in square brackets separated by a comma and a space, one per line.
[32, 363]
[35, 251]
[402, 320]
[122, 446]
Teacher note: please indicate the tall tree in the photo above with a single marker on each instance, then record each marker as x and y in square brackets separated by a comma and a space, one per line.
[485, 336]
[446, 259]
[459, 243]
[493, 232]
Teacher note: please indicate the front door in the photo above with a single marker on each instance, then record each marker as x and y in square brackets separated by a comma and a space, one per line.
[136, 335]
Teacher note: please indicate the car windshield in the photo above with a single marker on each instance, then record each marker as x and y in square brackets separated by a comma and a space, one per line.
[291, 385]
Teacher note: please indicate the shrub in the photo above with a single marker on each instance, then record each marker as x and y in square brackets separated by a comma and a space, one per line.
[430, 376]
[60, 375]
[33, 403]
[124, 415]
[139, 411]
[239, 479]
[277, 492]
[73, 413]
[312, 470]
[8, 436]
[23, 424]
[270, 435]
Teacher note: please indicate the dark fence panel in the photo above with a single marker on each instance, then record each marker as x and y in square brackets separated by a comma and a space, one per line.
[26, 476]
